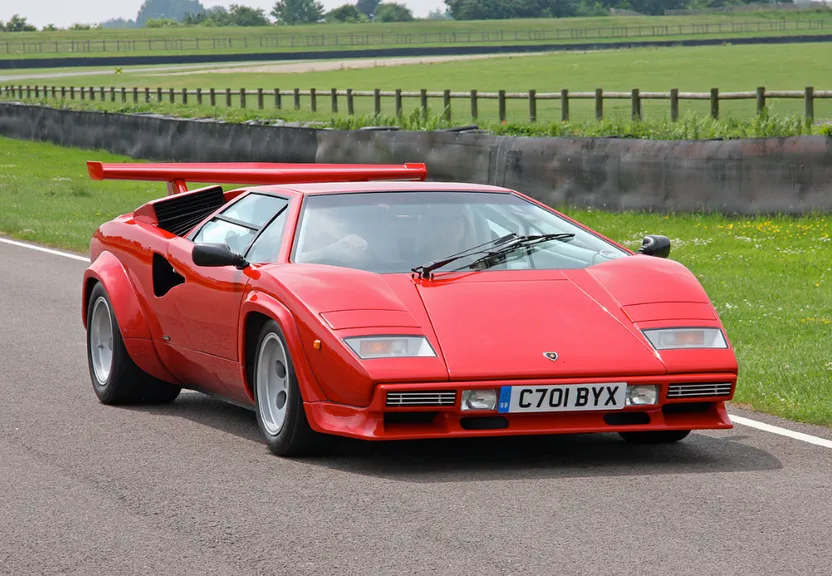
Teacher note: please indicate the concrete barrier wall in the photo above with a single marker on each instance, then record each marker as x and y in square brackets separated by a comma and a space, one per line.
[787, 175]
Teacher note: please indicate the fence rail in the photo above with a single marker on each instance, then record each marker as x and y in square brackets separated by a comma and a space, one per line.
[288, 41]
[564, 97]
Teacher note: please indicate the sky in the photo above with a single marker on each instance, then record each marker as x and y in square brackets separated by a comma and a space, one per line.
[63, 13]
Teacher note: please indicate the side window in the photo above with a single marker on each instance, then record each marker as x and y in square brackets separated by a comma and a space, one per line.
[267, 245]
[238, 225]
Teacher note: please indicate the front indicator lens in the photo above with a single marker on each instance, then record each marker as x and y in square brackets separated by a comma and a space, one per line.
[479, 399]
[674, 338]
[642, 395]
[369, 347]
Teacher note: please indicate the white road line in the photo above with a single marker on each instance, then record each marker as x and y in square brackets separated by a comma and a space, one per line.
[781, 431]
[735, 419]
[47, 250]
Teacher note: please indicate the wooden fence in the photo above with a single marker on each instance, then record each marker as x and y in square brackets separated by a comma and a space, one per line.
[277, 98]
[213, 40]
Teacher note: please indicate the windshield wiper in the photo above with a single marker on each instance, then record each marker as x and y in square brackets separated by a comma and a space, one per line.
[425, 270]
[508, 243]
[493, 257]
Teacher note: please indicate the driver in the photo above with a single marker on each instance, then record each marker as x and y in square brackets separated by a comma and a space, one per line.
[449, 233]
[348, 248]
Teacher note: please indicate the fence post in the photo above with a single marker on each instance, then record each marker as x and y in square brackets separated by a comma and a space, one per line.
[809, 103]
[63, 92]
[228, 97]
[199, 96]
[564, 105]
[147, 94]
[212, 97]
[83, 92]
[278, 100]
[259, 98]
[599, 104]
[423, 99]
[112, 93]
[92, 93]
[636, 104]
[54, 91]
[474, 108]
[135, 95]
[377, 102]
[313, 99]
[72, 92]
[242, 97]
[158, 95]
[37, 91]
[674, 104]
[184, 95]
[715, 103]
[172, 95]
[532, 105]
[103, 94]
[501, 104]
[761, 99]
[123, 94]
[447, 103]
[350, 102]
[334, 93]
[296, 94]
[398, 103]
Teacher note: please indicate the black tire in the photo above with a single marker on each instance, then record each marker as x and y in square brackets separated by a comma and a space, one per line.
[126, 383]
[662, 437]
[295, 437]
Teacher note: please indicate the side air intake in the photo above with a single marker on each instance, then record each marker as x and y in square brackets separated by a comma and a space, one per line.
[178, 214]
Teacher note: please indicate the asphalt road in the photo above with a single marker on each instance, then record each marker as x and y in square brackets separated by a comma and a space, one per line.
[190, 489]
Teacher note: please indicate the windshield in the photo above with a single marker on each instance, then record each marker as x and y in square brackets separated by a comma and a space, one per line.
[388, 232]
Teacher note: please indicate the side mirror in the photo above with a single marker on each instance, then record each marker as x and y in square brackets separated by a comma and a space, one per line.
[655, 245]
[215, 255]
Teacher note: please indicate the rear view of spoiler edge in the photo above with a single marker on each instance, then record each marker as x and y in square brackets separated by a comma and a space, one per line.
[258, 173]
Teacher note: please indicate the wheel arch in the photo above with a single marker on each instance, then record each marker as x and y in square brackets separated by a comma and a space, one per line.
[257, 310]
[109, 272]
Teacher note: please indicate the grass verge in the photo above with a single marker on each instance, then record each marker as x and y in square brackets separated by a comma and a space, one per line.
[769, 277]
[691, 126]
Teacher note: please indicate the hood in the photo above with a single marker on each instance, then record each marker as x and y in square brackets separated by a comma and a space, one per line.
[501, 324]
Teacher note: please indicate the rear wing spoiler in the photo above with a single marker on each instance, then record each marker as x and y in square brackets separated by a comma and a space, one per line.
[258, 173]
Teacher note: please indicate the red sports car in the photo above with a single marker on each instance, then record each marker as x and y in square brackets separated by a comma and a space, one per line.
[363, 301]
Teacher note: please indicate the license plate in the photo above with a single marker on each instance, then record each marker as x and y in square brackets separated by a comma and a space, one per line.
[562, 398]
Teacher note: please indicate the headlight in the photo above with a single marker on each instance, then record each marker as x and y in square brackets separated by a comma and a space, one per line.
[641, 394]
[368, 347]
[670, 338]
[479, 399]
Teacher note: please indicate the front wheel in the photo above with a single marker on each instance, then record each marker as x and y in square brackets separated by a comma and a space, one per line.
[280, 414]
[115, 377]
[661, 437]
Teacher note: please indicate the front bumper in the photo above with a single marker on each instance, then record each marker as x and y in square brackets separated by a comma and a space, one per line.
[378, 421]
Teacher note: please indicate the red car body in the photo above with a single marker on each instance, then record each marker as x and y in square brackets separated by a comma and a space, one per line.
[489, 329]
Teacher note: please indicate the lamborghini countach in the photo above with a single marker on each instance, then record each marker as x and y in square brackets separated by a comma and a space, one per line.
[368, 302]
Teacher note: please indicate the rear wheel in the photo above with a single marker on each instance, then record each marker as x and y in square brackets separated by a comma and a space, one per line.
[279, 405]
[115, 377]
[662, 437]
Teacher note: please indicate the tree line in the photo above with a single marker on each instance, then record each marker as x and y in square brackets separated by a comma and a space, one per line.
[168, 13]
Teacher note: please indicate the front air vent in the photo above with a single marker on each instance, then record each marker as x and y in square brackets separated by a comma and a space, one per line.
[178, 214]
[417, 399]
[698, 390]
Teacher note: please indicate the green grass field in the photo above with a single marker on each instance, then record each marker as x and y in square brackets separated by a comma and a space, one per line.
[182, 40]
[728, 68]
[770, 278]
